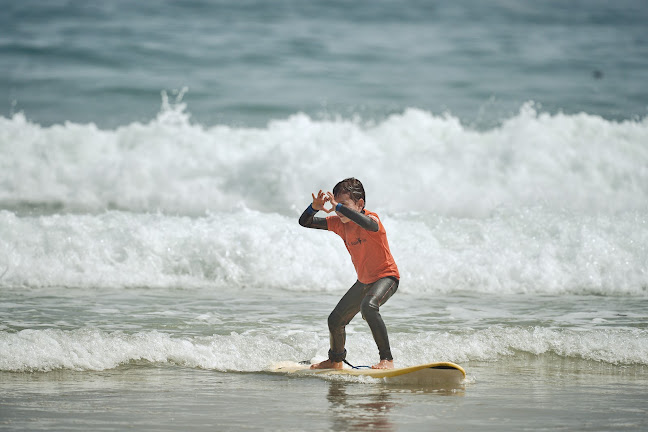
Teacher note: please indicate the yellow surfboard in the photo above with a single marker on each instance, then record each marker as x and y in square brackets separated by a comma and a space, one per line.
[441, 374]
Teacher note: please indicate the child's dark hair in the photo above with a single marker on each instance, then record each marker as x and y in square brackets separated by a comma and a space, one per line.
[353, 187]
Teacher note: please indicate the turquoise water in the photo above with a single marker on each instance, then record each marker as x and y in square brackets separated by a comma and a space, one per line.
[154, 162]
[248, 62]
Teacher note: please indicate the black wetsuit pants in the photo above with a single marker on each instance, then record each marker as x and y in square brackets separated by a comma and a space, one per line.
[365, 298]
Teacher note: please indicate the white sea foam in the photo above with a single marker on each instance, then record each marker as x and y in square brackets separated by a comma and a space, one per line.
[410, 161]
[532, 251]
[92, 349]
[523, 252]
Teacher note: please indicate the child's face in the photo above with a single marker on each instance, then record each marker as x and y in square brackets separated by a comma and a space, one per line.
[345, 200]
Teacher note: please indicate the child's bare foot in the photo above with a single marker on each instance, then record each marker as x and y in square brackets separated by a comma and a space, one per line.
[328, 364]
[384, 364]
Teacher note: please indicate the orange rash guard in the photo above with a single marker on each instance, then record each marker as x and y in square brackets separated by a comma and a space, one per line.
[369, 250]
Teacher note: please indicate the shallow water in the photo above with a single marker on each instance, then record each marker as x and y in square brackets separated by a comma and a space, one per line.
[527, 393]
[532, 362]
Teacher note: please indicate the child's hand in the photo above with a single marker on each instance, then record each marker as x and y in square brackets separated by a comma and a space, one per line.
[319, 201]
[331, 198]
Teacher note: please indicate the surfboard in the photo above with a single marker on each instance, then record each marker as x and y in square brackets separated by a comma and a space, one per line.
[441, 374]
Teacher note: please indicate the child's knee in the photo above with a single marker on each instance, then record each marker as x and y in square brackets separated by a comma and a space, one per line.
[369, 307]
[335, 321]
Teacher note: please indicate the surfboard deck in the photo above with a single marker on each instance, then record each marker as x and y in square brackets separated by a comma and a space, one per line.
[429, 374]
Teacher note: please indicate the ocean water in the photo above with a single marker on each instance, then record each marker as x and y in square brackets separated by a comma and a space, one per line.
[154, 160]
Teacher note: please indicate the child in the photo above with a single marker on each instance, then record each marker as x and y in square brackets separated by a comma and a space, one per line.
[366, 240]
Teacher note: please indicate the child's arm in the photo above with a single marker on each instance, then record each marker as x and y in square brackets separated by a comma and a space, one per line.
[359, 218]
[308, 219]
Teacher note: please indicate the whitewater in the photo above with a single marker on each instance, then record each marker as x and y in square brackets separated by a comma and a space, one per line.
[416, 160]
[543, 203]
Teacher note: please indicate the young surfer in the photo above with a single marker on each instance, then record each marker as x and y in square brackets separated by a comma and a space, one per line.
[366, 240]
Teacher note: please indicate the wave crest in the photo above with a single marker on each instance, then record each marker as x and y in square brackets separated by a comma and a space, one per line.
[414, 160]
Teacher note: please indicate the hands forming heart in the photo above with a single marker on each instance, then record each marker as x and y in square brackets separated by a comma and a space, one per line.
[321, 199]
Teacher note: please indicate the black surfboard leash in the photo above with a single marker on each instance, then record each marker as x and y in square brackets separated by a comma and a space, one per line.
[356, 367]
[307, 362]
